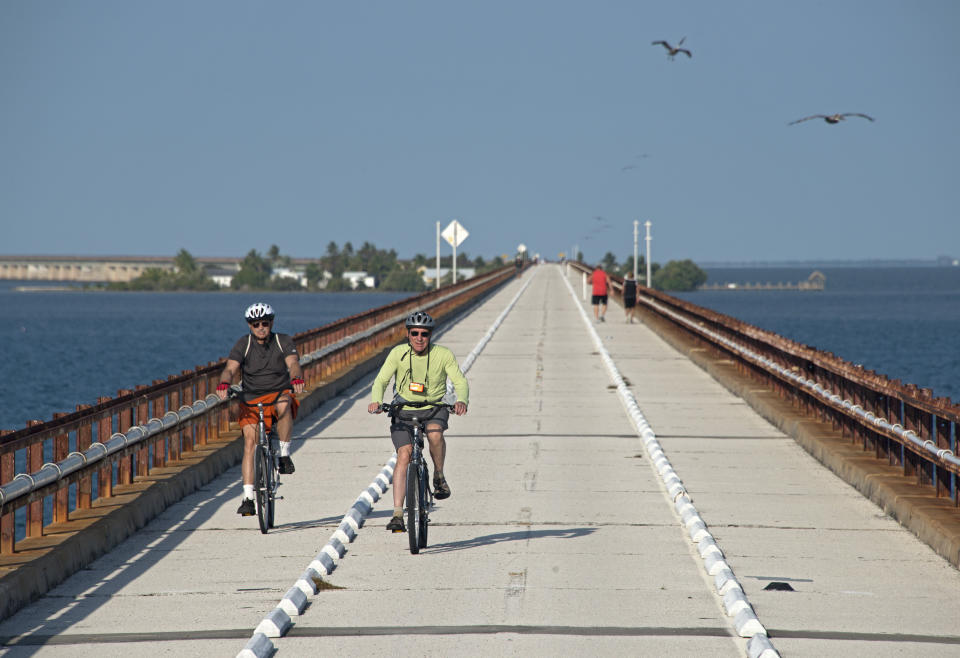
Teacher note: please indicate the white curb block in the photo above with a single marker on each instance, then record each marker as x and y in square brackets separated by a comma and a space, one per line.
[759, 647]
[293, 602]
[274, 624]
[258, 646]
[307, 583]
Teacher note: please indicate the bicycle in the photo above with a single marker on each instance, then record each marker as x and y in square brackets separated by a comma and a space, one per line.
[266, 464]
[418, 495]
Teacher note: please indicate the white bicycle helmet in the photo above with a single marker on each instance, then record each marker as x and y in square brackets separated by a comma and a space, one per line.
[419, 319]
[259, 311]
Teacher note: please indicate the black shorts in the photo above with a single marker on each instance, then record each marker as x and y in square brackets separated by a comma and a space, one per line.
[599, 299]
[402, 435]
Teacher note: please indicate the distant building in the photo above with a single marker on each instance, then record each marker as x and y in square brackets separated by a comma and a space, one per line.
[430, 274]
[289, 273]
[222, 276]
[355, 278]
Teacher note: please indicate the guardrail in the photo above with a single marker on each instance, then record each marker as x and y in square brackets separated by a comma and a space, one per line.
[899, 423]
[79, 457]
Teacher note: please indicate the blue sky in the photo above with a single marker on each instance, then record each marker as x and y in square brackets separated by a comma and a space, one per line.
[131, 127]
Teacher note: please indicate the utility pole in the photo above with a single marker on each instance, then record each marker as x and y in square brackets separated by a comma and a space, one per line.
[636, 225]
[648, 238]
[438, 256]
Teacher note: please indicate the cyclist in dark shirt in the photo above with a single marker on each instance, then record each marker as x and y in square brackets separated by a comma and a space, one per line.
[269, 364]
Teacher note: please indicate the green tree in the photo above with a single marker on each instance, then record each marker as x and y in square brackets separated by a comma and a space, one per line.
[254, 272]
[338, 284]
[679, 276]
[314, 275]
[609, 262]
[184, 263]
[404, 279]
[273, 253]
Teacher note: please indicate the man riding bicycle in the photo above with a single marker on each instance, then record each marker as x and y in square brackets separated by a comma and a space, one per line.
[420, 371]
[270, 372]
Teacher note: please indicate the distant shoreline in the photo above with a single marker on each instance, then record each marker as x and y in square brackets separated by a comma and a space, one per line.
[944, 261]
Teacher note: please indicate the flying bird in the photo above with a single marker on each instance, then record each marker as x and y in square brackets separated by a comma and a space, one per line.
[672, 51]
[832, 118]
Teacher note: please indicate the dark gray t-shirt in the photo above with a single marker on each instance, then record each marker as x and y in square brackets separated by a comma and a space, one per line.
[262, 367]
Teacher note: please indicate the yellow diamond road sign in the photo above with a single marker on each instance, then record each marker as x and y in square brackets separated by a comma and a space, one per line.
[455, 234]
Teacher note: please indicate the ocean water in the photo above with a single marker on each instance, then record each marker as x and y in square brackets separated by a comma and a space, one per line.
[903, 322]
[61, 349]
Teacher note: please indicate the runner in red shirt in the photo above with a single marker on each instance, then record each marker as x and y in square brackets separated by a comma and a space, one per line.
[599, 301]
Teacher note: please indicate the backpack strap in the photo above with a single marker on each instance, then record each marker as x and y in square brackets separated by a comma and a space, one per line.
[247, 351]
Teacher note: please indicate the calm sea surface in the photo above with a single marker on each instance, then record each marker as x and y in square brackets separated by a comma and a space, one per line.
[61, 349]
[903, 322]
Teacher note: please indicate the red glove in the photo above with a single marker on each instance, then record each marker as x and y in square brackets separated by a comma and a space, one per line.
[296, 381]
[222, 386]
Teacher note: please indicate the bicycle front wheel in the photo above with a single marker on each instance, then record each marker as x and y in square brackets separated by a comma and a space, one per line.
[424, 505]
[261, 477]
[414, 509]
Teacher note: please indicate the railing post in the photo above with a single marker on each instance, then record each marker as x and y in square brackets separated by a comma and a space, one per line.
[159, 445]
[84, 440]
[175, 438]
[35, 463]
[104, 431]
[143, 454]
[61, 499]
[125, 420]
[6, 520]
[186, 399]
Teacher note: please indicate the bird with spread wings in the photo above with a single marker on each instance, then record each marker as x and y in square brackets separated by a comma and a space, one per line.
[671, 50]
[832, 118]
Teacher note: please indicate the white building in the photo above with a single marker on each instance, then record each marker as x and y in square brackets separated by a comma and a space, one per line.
[289, 273]
[356, 277]
[429, 274]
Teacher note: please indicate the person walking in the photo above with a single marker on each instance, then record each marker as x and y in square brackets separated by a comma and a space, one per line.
[599, 280]
[629, 296]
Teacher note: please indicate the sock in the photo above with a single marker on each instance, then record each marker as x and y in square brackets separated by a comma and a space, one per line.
[398, 511]
[284, 448]
[248, 491]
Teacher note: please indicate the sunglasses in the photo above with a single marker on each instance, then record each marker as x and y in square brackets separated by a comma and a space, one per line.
[261, 323]
[417, 334]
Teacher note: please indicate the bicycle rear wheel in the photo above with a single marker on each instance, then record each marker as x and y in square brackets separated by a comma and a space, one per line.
[414, 510]
[261, 476]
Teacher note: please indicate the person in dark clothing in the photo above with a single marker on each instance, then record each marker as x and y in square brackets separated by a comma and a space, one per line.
[268, 364]
[629, 296]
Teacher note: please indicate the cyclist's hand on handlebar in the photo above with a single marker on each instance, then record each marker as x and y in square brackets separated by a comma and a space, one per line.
[460, 408]
[298, 385]
[223, 388]
[374, 408]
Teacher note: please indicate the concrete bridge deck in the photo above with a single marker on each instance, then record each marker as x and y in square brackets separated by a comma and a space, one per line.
[559, 538]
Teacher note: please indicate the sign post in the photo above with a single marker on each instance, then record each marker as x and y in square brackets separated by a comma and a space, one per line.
[455, 234]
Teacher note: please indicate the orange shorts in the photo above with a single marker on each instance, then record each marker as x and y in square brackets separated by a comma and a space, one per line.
[250, 415]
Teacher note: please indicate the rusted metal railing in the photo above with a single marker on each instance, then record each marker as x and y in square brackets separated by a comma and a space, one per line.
[79, 457]
[899, 423]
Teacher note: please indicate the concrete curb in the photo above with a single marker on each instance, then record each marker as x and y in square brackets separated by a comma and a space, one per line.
[745, 621]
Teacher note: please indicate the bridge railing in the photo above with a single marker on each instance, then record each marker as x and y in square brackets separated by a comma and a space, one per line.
[79, 457]
[899, 423]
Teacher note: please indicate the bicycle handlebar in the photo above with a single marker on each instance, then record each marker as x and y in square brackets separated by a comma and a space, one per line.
[392, 408]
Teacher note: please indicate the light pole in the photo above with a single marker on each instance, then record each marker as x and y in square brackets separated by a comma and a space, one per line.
[438, 255]
[648, 239]
[636, 225]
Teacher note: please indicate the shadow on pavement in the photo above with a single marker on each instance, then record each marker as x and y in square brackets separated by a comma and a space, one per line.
[500, 537]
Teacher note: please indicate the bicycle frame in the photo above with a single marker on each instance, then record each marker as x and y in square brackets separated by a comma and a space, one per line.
[266, 465]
